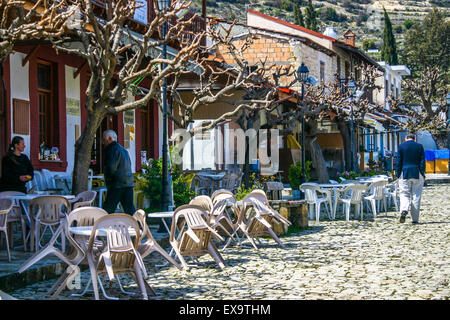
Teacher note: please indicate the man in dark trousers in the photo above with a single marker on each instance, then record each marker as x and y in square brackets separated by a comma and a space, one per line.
[411, 172]
[119, 178]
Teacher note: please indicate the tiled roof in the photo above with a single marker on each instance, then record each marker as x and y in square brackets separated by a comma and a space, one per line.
[294, 26]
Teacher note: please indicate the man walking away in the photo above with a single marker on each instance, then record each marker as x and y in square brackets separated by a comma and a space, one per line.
[411, 172]
[119, 178]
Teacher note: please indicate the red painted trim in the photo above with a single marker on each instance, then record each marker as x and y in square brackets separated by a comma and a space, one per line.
[119, 128]
[34, 110]
[7, 79]
[155, 126]
[137, 137]
[291, 25]
[62, 117]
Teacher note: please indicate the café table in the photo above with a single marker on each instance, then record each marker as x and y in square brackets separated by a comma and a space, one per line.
[338, 188]
[164, 215]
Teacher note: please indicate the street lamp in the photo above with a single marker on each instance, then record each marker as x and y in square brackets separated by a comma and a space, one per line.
[302, 75]
[165, 197]
[352, 90]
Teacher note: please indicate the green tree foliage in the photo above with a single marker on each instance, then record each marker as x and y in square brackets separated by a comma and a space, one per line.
[311, 17]
[152, 187]
[389, 49]
[368, 44]
[427, 44]
[298, 16]
[408, 24]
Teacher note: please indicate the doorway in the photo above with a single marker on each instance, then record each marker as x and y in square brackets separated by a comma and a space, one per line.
[108, 123]
[3, 112]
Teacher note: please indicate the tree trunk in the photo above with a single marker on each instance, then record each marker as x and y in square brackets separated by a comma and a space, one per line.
[344, 129]
[314, 150]
[83, 148]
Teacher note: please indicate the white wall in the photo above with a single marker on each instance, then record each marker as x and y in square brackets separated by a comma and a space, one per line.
[72, 92]
[19, 90]
[258, 21]
[203, 150]
[132, 147]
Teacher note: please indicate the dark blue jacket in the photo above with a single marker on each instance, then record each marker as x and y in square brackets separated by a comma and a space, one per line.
[411, 160]
[117, 167]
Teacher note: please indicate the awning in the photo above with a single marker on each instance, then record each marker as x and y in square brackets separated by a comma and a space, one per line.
[292, 143]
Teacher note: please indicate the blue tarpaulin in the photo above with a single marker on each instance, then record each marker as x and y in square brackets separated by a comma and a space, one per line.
[441, 154]
[429, 155]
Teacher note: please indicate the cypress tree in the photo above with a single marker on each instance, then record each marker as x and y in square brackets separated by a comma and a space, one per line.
[298, 16]
[389, 49]
[311, 17]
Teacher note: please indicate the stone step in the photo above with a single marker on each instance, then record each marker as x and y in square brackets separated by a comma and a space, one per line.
[46, 269]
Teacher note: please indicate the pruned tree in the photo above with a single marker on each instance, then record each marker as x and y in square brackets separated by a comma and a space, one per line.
[331, 101]
[44, 20]
[117, 59]
[424, 104]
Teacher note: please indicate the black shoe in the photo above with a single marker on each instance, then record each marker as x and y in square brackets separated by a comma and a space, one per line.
[403, 216]
[415, 222]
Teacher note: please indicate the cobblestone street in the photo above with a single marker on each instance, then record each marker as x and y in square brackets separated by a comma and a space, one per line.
[379, 259]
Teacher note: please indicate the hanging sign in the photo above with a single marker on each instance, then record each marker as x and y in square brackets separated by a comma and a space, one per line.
[140, 14]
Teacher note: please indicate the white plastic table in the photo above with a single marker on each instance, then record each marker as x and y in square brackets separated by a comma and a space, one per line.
[87, 231]
[162, 215]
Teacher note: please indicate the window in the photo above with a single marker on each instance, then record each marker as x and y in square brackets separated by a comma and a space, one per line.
[322, 71]
[347, 70]
[47, 106]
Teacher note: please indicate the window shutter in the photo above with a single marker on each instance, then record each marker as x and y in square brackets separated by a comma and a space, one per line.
[21, 117]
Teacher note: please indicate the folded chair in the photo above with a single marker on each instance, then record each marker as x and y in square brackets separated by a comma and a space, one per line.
[220, 220]
[16, 216]
[47, 212]
[204, 202]
[259, 224]
[80, 217]
[120, 254]
[76, 255]
[194, 238]
[6, 206]
[83, 199]
[150, 245]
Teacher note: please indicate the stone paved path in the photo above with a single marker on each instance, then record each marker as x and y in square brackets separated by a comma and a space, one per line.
[379, 259]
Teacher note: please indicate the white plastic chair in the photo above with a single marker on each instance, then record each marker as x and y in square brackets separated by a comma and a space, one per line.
[16, 215]
[391, 192]
[352, 194]
[5, 207]
[121, 252]
[311, 191]
[47, 211]
[377, 194]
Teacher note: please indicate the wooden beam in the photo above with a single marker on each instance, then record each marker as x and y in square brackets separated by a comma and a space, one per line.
[76, 73]
[30, 55]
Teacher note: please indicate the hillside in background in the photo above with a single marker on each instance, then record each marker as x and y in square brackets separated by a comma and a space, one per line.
[364, 17]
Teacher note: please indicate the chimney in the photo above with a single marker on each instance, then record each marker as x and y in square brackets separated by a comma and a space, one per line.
[350, 38]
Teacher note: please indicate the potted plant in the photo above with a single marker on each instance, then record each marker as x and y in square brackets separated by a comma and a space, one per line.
[295, 177]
